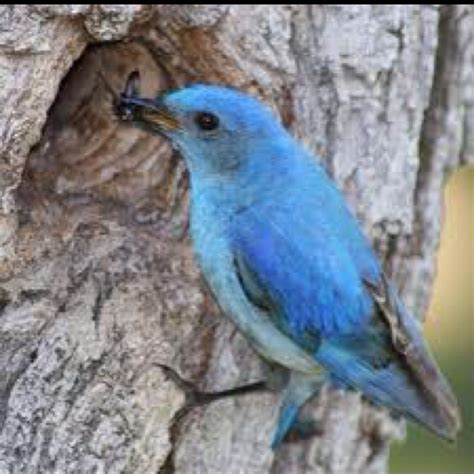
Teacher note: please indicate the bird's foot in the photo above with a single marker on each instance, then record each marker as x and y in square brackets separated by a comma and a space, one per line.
[303, 429]
[300, 389]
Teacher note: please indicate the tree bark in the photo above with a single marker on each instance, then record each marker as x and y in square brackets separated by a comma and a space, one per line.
[98, 283]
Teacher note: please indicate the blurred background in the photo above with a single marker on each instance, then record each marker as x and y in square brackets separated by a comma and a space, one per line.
[449, 328]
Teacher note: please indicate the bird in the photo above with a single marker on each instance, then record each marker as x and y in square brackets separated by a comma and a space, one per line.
[288, 262]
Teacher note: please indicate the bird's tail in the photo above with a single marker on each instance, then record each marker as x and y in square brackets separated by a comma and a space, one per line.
[411, 384]
[432, 405]
[438, 406]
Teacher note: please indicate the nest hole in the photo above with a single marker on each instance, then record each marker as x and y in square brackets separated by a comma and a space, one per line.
[89, 165]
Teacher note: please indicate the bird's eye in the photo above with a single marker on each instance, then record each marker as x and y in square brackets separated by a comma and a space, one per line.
[206, 121]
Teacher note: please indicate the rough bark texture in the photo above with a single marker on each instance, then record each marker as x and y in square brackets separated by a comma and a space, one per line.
[98, 284]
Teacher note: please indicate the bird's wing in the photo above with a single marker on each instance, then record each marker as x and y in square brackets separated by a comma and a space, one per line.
[297, 264]
[337, 305]
[414, 354]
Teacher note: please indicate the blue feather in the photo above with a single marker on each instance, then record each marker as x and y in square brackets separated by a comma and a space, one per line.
[316, 278]
[288, 262]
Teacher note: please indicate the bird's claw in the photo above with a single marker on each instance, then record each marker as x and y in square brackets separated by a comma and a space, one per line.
[303, 429]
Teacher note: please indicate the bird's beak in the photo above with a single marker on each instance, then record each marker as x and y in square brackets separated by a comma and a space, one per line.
[147, 112]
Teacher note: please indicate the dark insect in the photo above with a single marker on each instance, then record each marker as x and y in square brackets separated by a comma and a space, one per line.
[121, 107]
[132, 86]
[131, 89]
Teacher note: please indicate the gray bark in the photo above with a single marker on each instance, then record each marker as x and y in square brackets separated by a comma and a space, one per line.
[98, 283]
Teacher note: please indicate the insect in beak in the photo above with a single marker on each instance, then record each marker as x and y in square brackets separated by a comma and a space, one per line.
[151, 112]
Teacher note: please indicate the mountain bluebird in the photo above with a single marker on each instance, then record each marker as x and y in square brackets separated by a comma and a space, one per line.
[287, 261]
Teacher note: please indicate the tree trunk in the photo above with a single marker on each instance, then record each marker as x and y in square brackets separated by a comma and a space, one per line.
[98, 283]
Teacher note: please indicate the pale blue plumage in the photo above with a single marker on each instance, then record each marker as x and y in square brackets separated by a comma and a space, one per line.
[288, 262]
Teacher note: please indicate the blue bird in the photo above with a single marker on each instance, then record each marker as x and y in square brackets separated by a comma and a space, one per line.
[287, 261]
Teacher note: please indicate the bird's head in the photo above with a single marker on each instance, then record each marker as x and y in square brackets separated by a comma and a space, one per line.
[216, 129]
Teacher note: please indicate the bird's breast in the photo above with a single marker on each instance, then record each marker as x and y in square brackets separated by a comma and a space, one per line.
[208, 233]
